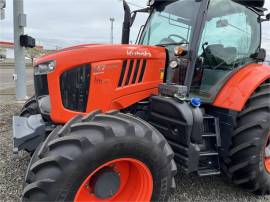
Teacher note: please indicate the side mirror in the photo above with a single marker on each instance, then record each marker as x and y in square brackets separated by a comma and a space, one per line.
[260, 56]
[222, 23]
[268, 16]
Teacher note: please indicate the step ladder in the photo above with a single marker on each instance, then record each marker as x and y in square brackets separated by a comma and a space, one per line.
[209, 149]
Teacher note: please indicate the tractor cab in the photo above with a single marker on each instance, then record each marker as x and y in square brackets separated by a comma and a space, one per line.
[206, 41]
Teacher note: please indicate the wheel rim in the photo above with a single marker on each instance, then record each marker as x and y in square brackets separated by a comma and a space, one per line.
[267, 155]
[136, 182]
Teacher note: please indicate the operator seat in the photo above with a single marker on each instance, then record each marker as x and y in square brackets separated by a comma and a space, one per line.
[216, 54]
[230, 54]
[217, 57]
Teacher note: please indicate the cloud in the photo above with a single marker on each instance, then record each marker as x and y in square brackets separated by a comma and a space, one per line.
[66, 22]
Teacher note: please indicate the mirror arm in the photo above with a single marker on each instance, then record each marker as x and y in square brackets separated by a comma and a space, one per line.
[267, 18]
[134, 14]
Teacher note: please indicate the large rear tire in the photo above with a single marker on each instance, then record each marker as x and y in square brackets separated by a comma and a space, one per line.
[111, 157]
[247, 165]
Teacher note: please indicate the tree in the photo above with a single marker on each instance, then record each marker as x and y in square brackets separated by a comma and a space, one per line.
[34, 53]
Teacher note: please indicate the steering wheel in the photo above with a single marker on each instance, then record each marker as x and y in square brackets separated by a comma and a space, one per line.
[178, 36]
[170, 40]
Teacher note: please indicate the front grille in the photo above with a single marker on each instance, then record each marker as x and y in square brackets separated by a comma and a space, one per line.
[74, 85]
[41, 85]
[132, 72]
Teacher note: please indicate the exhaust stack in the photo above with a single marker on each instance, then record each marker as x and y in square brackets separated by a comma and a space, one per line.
[126, 24]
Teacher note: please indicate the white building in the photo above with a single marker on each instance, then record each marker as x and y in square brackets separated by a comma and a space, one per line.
[7, 50]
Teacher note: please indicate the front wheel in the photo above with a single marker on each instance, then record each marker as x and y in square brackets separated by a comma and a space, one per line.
[102, 157]
[30, 107]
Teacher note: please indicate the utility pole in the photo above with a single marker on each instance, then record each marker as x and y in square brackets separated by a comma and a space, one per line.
[20, 74]
[2, 9]
[112, 21]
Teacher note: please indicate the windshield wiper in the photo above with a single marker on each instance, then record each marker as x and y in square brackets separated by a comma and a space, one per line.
[172, 44]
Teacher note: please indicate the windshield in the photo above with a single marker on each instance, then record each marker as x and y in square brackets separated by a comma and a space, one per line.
[171, 22]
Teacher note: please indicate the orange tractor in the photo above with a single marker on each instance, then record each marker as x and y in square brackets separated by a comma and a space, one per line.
[113, 122]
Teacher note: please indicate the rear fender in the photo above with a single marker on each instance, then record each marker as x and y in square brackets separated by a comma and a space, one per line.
[242, 84]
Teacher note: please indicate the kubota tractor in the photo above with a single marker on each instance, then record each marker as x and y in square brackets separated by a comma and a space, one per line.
[113, 122]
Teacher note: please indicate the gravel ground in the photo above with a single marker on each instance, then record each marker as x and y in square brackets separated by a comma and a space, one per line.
[189, 188]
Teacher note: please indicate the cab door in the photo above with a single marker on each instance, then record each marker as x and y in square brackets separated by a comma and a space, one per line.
[231, 36]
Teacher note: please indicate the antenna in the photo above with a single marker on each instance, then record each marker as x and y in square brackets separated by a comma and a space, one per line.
[112, 21]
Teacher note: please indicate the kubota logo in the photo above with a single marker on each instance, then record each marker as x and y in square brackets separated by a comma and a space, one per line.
[140, 53]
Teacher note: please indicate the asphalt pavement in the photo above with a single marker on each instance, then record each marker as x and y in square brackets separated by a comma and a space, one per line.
[7, 84]
[6, 78]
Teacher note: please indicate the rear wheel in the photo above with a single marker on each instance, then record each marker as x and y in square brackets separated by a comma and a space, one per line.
[249, 162]
[267, 155]
[102, 157]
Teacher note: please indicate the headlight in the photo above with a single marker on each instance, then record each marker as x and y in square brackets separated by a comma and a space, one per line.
[173, 64]
[45, 68]
[180, 50]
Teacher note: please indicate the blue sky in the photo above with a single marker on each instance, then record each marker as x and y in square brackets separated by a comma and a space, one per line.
[61, 23]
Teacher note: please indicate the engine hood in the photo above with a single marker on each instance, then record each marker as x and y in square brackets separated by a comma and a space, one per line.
[89, 53]
[119, 76]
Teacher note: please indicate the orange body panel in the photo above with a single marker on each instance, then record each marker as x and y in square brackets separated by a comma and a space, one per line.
[241, 86]
[106, 65]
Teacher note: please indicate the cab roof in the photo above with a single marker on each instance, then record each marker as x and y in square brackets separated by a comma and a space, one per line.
[249, 3]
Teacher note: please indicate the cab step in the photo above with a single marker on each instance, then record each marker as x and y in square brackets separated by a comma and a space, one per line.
[208, 172]
[209, 150]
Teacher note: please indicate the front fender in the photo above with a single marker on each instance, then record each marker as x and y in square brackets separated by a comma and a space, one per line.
[237, 90]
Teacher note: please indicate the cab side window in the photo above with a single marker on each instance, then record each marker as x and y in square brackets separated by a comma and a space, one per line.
[230, 37]
[226, 40]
